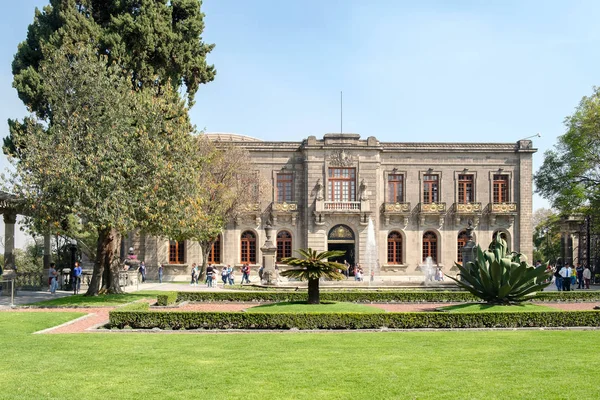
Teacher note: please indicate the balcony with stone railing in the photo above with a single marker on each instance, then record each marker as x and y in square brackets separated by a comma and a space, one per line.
[324, 208]
[432, 212]
[284, 211]
[398, 210]
[505, 213]
[432, 208]
[503, 208]
[467, 211]
[249, 212]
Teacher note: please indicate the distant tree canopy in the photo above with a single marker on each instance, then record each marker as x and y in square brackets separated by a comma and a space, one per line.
[158, 43]
[570, 174]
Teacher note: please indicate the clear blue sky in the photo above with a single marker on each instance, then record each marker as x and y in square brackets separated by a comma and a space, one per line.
[478, 71]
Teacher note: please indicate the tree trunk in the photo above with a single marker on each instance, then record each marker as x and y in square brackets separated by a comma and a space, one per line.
[105, 268]
[112, 264]
[98, 272]
[313, 292]
[205, 249]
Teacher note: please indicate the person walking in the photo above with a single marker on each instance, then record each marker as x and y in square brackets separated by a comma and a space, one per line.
[54, 278]
[224, 275]
[77, 278]
[194, 280]
[209, 275]
[160, 272]
[557, 279]
[566, 273]
[245, 273]
[579, 271]
[230, 275]
[142, 271]
[587, 276]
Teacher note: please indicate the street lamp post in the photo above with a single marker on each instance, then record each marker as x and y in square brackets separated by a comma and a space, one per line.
[546, 232]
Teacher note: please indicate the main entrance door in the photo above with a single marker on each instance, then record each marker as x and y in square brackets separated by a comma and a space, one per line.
[341, 237]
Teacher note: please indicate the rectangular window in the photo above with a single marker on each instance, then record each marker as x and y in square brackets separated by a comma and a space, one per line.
[284, 188]
[176, 252]
[395, 188]
[501, 189]
[430, 189]
[214, 256]
[465, 189]
[342, 184]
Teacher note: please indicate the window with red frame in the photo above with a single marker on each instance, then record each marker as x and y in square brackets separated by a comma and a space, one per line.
[394, 243]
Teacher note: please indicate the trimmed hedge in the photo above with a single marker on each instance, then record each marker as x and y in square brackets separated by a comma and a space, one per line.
[371, 296]
[435, 320]
[166, 299]
[137, 306]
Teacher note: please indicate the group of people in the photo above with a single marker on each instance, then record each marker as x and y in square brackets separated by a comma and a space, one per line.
[227, 274]
[566, 277]
[76, 275]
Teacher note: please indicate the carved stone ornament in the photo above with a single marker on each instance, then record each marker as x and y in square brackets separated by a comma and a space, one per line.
[340, 159]
[285, 207]
[468, 207]
[433, 207]
[397, 207]
[340, 232]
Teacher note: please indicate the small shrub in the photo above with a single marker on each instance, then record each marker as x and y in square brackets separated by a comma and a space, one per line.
[137, 306]
[166, 299]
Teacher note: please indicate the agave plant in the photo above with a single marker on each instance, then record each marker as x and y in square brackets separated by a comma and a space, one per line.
[312, 267]
[499, 277]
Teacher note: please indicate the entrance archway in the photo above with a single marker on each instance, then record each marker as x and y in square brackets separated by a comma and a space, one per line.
[341, 237]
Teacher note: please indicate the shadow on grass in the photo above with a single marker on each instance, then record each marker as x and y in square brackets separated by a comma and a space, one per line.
[102, 300]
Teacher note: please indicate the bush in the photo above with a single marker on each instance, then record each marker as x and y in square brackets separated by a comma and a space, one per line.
[166, 299]
[137, 306]
[371, 296]
[432, 320]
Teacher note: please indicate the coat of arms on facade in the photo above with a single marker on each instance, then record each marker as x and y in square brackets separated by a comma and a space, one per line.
[340, 158]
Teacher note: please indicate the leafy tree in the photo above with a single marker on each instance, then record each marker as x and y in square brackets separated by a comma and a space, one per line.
[111, 155]
[570, 174]
[158, 41]
[499, 277]
[312, 267]
[546, 236]
[30, 259]
[221, 187]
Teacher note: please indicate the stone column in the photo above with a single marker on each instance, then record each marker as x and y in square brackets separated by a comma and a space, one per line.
[9, 257]
[10, 217]
[269, 252]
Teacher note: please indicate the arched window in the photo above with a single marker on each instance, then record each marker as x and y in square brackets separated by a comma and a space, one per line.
[394, 243]
[284, 245]
[248, 247]
[214, 256]
[176, 252]
[460, 243]
[430, 246]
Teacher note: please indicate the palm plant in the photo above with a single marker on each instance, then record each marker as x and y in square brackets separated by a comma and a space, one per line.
[312, 267]
[499, 277]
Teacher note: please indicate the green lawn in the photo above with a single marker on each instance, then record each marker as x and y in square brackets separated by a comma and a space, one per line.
[388, 365]
[303, 307]
[103, 300]
[478, 307]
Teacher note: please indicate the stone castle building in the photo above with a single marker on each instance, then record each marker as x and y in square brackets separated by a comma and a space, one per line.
[420, 198]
